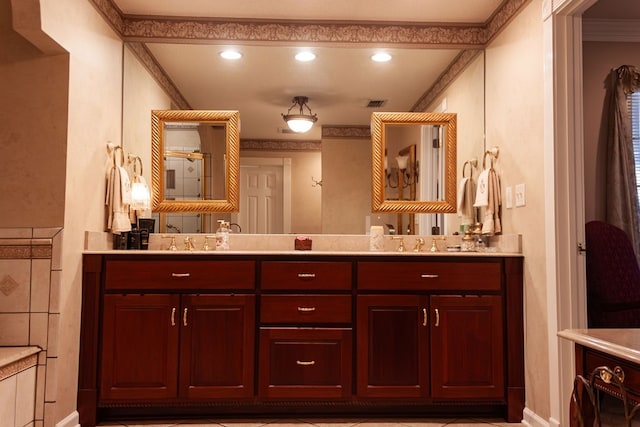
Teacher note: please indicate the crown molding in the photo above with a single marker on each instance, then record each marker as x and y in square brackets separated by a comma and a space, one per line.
[611, 30]
[346, 132]
[280, 145]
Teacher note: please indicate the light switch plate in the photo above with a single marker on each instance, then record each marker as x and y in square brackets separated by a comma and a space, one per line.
[520, 199]
[509, 197]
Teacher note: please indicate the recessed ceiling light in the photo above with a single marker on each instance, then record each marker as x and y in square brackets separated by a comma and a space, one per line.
[305, 56]
[230, 54]
[381, 57]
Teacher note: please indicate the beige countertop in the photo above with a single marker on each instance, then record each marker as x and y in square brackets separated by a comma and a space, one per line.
[344, 245]
[622, 343]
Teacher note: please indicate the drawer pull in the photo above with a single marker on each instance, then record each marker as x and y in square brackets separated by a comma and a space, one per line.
[306, 309]
[306, 275]
[184, 317]
[437, 318]
[173, 316]
[305, 362]
[424, 317]
[180, 274]
[607, 374]
[429, 276]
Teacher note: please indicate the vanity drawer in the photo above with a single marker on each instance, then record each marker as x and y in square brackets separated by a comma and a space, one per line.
[594, 359]
[300, 363]
[172, 274]
[303, 275]
[462, 276]
[305, 309]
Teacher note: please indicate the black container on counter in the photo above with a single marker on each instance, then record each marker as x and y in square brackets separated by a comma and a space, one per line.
[134, 240]
[120, 241]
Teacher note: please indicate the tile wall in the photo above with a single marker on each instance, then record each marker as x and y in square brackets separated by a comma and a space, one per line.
[30, 270]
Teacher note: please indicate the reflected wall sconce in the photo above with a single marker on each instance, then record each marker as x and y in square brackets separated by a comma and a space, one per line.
[300, 122]
[409, 172]
[140, 194]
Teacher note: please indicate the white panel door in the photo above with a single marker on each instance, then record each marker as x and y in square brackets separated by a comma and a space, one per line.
[261, 199]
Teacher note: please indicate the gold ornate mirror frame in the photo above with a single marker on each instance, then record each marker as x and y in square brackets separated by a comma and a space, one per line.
[379, 122]
[231, 122]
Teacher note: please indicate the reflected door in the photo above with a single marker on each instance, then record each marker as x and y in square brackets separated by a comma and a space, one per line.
[261, 199]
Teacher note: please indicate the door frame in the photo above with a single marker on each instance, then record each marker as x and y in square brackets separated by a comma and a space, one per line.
[564, 193]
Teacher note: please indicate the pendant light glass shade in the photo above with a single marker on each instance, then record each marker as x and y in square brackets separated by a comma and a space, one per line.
[300, 122]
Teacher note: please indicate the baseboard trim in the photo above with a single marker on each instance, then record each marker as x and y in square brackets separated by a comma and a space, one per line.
[531, 419]
[71, 420]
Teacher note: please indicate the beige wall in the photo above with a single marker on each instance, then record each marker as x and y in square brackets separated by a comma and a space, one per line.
[34, 128]
[599, 58]
[465, 97]
[346, 185]
[514, 117]
[141, 95]
[513, 95]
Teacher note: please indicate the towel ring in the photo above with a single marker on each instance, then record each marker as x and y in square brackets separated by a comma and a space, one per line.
[113, 155]
[493, 152]
[484, 160]
[471, 164]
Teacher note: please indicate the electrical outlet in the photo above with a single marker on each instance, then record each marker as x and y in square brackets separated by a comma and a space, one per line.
[520, 199]
[509, 197]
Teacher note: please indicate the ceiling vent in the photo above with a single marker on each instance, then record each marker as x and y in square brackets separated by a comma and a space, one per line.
[376, 103]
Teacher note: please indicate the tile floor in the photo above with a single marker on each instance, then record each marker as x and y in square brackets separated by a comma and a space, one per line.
[307, 422]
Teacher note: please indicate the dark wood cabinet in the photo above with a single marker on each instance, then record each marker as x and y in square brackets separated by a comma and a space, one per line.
[166, 335]
[217, 346]
[392, 346]
[467, 350]
[139, 347]
[160, 346]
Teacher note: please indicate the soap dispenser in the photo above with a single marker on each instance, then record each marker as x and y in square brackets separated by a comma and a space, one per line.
[222, 236]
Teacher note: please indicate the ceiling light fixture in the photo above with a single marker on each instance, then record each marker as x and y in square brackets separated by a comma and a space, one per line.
[305, 56]
[230, 54]
[300, 122]
[381, 57]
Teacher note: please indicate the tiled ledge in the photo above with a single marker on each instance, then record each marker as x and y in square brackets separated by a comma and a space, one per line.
[17, 359]
[27, 243]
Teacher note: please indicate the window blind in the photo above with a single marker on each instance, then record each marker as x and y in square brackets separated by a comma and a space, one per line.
[634, 110]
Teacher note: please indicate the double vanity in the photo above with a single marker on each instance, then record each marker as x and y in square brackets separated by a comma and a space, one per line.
[170, 334]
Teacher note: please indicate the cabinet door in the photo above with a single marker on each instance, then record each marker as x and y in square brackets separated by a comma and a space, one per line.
[139, 347]
[467, 352]
[392, 346]
[300, 363]
[217, 346]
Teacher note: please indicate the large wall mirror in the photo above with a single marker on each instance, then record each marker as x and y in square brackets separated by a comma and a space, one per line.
[327, 171]
[194, 161]
[414, 162]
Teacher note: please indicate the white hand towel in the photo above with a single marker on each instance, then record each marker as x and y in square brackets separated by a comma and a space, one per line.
[482, 190]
